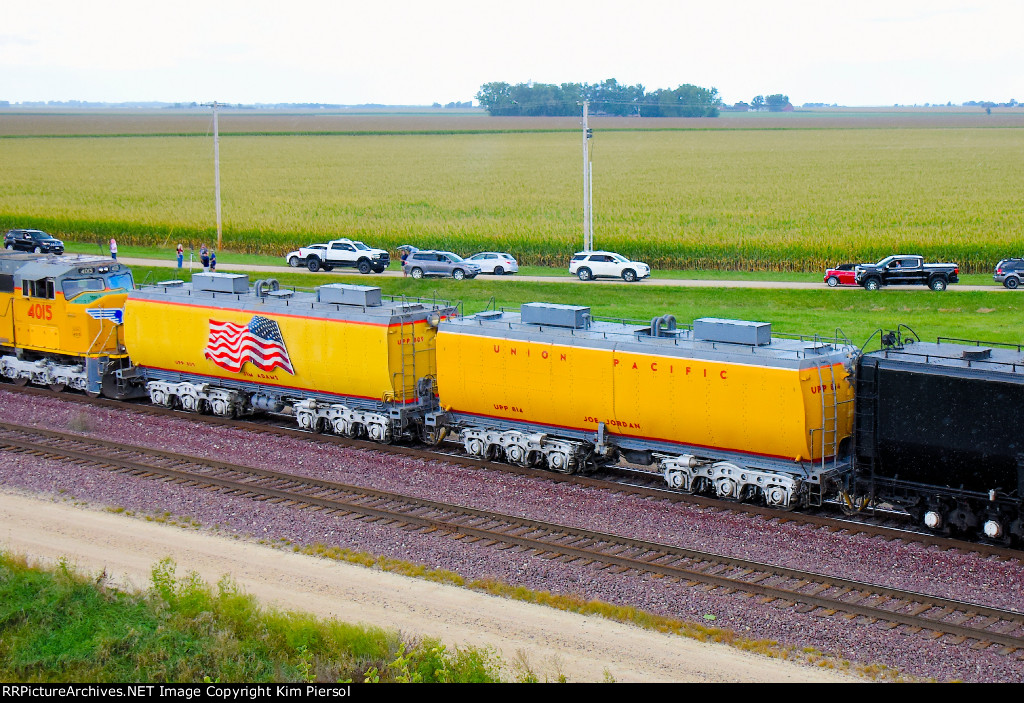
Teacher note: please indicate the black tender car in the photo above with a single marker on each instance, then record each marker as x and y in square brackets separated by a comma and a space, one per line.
[32, 240]
[1009, 272]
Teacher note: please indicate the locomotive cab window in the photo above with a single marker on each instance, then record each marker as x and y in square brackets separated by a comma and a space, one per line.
[6, 283]
[121, 280]
[75, 287]
[43, 288]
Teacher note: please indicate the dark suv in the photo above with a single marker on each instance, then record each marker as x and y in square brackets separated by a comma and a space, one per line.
[1009, 272]
[32, 240]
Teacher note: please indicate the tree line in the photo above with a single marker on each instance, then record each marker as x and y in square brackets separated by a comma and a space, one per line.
[606, 98]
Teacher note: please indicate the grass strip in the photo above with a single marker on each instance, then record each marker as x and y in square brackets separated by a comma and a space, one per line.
[60, 626]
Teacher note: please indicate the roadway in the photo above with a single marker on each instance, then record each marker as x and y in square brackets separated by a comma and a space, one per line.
[671, 282]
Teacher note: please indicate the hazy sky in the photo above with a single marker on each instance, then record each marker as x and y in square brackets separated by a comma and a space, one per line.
[866, 52]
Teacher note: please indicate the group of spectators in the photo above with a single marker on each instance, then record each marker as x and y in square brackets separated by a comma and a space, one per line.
[206, 257]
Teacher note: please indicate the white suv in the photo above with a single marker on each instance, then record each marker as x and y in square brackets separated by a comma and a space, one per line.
[588, 265]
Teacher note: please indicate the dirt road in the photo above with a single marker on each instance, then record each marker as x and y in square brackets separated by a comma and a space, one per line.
[582, 648]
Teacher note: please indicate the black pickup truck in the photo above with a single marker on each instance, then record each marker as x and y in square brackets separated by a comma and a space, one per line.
[902, 270]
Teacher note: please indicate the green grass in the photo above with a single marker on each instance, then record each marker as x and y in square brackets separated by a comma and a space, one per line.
[59, 626]
[986, 315]
[794, 199]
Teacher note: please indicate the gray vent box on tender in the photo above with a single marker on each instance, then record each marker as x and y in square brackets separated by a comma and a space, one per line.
[713, 329]
[575, 317]
[221, 282]
[345, 294]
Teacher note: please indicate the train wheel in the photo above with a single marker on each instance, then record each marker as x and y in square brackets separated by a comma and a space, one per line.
[20, 381]
[515, 454]
[58, 387]
[557, 461]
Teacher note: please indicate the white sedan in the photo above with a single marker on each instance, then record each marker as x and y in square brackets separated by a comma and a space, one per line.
[496, 262]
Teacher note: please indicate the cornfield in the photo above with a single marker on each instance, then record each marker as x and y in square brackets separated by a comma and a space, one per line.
[740, 199]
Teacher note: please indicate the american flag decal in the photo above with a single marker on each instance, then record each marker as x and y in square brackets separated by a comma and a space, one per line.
[260, 342]
[115, 314]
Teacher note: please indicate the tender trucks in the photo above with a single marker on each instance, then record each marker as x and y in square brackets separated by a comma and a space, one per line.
[906, 270]
[346, 252]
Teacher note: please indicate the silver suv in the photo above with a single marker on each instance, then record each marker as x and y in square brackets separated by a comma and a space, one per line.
[1009, 272]
[439, 263]
[588, 265]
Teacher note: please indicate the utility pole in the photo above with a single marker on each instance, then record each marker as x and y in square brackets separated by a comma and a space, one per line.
[588, 184]
[216, 165]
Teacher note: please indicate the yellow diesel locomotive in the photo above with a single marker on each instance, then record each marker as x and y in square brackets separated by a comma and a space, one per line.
[60, 321]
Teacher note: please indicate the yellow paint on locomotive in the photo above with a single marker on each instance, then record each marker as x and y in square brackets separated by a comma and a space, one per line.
[328, 356]
[737, 407]
[59, 326]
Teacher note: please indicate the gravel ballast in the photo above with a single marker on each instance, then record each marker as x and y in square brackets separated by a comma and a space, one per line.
[968, 577]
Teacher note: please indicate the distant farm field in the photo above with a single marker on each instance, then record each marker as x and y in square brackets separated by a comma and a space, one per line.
[752, 196]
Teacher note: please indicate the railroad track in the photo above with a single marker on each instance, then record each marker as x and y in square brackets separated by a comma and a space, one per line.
[805, 591]
[886, 529]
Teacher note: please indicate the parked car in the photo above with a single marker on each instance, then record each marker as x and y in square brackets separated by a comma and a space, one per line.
[496, 262]
[841, 275]
[1009, 272]
[587, 265]
[440, 263]
[33, 240]
[301, 256]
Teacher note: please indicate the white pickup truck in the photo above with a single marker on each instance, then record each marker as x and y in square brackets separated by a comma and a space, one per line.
[341, 252]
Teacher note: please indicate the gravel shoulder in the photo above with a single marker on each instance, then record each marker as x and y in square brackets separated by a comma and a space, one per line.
[582, 648]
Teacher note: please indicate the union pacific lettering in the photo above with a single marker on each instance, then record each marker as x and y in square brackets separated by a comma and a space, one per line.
[525, 351]
[662, 367]
[655, 366]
